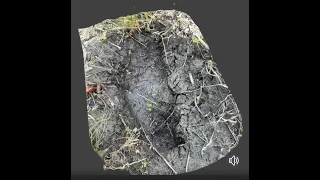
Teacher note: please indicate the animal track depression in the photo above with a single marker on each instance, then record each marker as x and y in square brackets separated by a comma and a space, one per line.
[161, 106]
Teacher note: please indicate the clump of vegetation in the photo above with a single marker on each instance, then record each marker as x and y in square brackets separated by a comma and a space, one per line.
[144, 164]
[196, 40]
[145, 16]
[131, 137]
[125, 152]
[133, 23]
[103, 37]
[149, 107]
[81, 32]
[96, 131]
[210, 64]
[127, 22]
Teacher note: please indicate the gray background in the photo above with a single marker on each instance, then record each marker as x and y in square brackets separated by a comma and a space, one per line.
[225, 26]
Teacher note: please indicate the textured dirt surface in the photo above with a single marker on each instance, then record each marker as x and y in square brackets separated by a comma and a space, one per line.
[161, 105]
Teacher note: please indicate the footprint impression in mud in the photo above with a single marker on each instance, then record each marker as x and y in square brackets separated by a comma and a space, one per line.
[157, 103]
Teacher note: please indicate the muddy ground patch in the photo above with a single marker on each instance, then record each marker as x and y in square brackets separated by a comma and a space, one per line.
[156, 102]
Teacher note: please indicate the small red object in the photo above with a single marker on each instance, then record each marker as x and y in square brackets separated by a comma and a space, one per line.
[91, 89]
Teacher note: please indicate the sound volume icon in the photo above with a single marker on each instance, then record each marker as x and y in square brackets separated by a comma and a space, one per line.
[234, 160]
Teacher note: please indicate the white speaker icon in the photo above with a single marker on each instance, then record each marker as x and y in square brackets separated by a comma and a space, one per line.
[234, 160]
